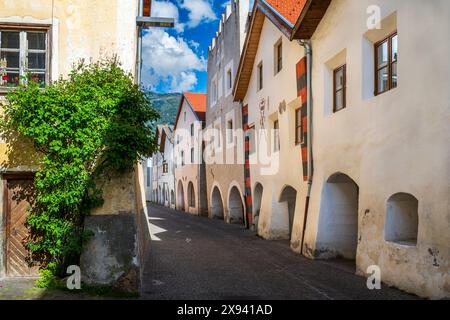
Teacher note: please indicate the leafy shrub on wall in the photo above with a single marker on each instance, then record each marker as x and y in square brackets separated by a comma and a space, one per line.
[96, 123]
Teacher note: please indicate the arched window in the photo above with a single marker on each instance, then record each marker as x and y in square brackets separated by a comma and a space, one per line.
[402, 221]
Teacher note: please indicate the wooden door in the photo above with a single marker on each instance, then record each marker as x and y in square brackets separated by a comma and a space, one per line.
[18, 197]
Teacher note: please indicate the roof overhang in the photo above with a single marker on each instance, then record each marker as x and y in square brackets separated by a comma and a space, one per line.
[247, 60]
[304, 28]
[309, 19]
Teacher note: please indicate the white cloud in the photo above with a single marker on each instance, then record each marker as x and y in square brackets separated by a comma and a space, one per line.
[169, 60]
[194, 44]
[166, 9]
[185, 82]
[200, 11]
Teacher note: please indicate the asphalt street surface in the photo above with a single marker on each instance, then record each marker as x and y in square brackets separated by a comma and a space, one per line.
[198, 258]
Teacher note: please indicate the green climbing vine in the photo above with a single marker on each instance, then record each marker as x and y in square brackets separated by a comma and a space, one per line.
[93, 124]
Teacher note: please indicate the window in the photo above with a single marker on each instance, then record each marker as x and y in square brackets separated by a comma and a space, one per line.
[339, 85]
[165, 167]
[220, 88]
[278, 56]
[229, 79]
[298, 127]
[260, 76]
[276, 136]
[386, 64]
[214, 91]
[192, 129]
[23, 52]
[148, 177]
[217, 134]
[182, 158]
[251, 139]
[230, 131]
[192, 155]
[184, 116]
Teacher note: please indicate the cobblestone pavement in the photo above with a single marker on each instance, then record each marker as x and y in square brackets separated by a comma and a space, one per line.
[198, 258]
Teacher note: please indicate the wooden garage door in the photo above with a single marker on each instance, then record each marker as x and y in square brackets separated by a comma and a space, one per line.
[18, 196]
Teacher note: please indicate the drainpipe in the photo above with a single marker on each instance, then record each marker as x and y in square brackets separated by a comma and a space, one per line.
[307, 45]
[139, 45]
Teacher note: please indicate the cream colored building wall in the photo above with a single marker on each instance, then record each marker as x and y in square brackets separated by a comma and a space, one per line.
[80, 29]
[189, 172]
[284, 168]
[395, 142]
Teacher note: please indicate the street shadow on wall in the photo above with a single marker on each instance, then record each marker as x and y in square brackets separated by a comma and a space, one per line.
[17, 152]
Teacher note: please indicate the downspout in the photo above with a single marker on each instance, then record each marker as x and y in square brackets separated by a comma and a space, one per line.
[307, 45]
[139, 45]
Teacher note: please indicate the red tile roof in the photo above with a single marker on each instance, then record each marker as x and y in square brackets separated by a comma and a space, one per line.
[289, 9]
[197, 101]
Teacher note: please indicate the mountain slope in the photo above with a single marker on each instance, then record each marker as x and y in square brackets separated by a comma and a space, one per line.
[167, 104]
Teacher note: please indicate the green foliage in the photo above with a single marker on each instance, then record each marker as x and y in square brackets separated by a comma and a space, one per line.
[46, 279]
[95, 124]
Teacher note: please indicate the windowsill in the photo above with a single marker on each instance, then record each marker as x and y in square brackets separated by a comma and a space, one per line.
[412, 243]
[382, 93]
[336, 111]
[5, 90]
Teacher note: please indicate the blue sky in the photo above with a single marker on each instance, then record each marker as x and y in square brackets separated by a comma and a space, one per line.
[175, 58]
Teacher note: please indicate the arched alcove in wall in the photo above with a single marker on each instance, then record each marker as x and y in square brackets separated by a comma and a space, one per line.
[216, 204]
[235, 207]
[338, 217]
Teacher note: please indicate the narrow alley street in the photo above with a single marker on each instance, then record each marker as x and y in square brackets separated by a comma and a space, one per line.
[199, 258]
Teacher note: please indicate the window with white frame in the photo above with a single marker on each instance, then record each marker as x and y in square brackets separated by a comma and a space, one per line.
[23, 52]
